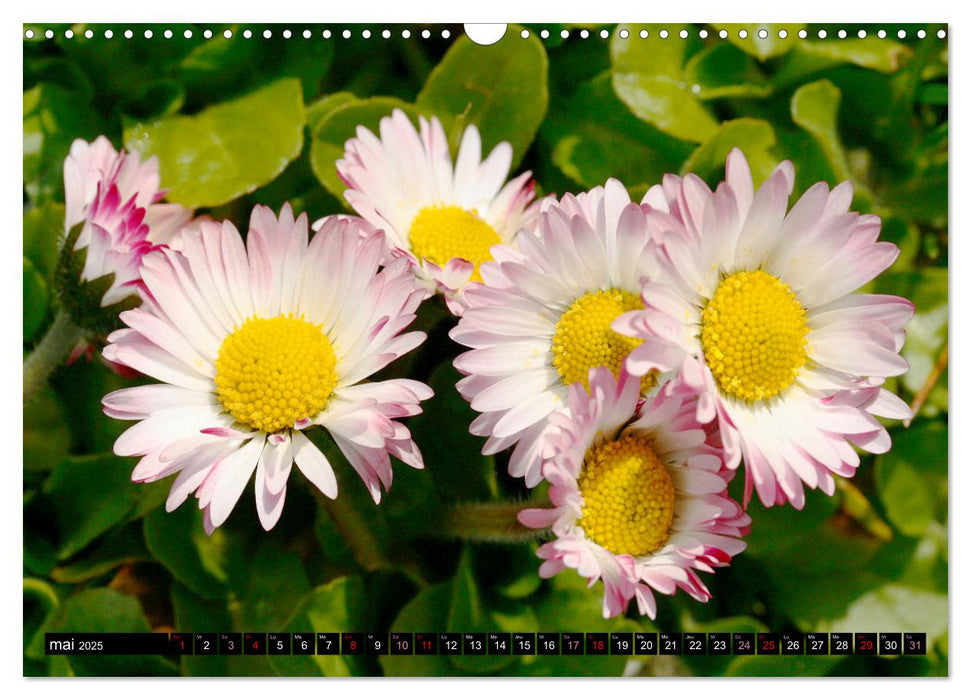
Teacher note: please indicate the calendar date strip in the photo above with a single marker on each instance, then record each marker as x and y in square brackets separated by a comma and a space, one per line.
[488, 643]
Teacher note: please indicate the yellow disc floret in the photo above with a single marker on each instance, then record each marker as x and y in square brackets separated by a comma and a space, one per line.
[753, 334]
[628, 497]
[584, 339]
[440, 233]
[272, 372]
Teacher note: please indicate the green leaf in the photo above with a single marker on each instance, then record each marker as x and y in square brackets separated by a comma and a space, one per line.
[723, 70]
[227, 149]
[203, 563]
[118, 547]
[569, 605]
[277, 583]
[595, 137]
[426, 612]
[895, 607]
[41, 605]
[755, 137]
[647, 75]
[468, 612]
[521, 578]
[912, 478]
[652, 57]
[768, 47]
[53, 118]
[35, 300]
[565, 604]
[882, 55]
[465, 611]
[340, 124]
[501, 88]
[835, 554]
[815, 107]
[106, 610]
[342, 605]
[775, 530]
[666, 104]
[875, 114]
[92, 494]
[195, 614]
[920, 563]
[324, 106]
[43, 231]
[160, 98]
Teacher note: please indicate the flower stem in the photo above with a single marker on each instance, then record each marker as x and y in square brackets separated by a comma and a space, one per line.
[921, 397]
[356, 533]
[50, 353]
[488, 522]
[861, 511]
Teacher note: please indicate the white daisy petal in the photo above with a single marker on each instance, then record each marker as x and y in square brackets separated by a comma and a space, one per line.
[192, 472]
[764, 326]
[115, 198]
[445, 218]
[133, 350]
[139, 402]
[230, 477]
[269, 504]
[314, 465]
[275, 462]
[258, 343]
[542, 317]
[599, 477]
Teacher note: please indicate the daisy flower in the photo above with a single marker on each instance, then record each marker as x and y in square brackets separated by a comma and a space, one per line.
[254, 345]
[113, 218]
[115, 197]
[541, 318]
[443, 218]
[639, 496]
[755, 311]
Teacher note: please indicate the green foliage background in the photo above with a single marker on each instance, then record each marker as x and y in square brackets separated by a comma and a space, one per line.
[241, 121]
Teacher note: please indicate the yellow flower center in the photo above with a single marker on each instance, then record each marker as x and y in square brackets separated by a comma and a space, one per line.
[628, 497]
[753, 334]
[272, 372]
[584, 339]
[440, 233]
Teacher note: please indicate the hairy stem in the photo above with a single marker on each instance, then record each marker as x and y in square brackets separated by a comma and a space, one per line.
[487, 522]
[356, 533]
[50, 353]
[928, 386]
[861, 511]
